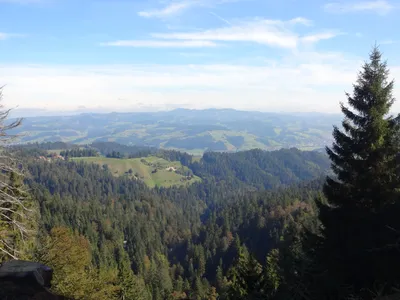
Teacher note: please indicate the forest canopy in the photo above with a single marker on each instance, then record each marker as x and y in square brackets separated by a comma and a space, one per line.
[284, 224]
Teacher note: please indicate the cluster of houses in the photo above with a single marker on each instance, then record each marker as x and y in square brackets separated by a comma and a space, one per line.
[51, 157]
[171, 169]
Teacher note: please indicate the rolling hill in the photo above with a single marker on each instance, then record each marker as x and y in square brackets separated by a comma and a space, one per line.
[254, 169]
[154, 171]
[193, 131]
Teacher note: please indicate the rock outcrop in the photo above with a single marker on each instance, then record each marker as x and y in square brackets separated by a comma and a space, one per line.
[25, 280]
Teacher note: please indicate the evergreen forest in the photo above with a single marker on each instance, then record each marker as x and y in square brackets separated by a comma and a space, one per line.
[279, 225]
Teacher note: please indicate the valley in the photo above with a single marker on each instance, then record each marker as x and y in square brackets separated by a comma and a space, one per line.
[192, 131]
[199, 150]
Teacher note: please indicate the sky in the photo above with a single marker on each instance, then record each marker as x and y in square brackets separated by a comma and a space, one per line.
[147, 55]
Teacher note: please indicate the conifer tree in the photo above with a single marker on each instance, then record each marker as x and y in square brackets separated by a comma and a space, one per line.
[357, 218]
[272, 272]
[247, 280]
[132, 287]
[212, 294]
[198, 289]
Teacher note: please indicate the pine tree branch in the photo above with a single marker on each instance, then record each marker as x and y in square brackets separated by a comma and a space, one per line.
[13, 200]
[8, 246]
[13, 211]
[8, 253]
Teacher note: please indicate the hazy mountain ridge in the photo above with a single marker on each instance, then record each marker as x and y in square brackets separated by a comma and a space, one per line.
[187, 130]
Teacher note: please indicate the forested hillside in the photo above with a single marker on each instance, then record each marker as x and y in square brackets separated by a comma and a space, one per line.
[256, 168]
[286, 224]
[173, 238]
[262, 169]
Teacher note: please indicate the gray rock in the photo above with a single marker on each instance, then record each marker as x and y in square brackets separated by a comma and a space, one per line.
[20, 269]
[24, 280]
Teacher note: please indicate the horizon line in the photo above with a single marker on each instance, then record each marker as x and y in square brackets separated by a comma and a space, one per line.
[69, 113]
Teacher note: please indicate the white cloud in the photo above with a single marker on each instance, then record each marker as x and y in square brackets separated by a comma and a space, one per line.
[177, 7]
[171, 9]
[302, 82]
[262, 31]
[160, 44]
[313, 38]
[3, 36]
[301, 20]
[275, 33]
[381, 7]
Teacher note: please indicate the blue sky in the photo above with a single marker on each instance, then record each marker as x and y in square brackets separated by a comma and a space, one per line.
[288, 55]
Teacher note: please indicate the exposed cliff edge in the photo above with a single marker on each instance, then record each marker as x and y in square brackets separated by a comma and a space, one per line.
[25, 280]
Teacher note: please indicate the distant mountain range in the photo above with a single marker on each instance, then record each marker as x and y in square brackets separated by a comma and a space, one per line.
[194, 131]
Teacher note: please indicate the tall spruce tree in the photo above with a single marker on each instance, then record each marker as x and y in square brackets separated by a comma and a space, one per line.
[357, 252]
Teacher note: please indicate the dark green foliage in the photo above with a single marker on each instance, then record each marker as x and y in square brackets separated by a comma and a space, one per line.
[115, 154]
[251, 229]
[261, 169]
[171, 242]
[172, 155]
[246, 278]
[79, 152]
[359, 227]
[106, 148]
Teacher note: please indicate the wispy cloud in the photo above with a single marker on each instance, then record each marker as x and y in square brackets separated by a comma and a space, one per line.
[177, 7]
[221, 18]
[275, 33]
[300, 20]
[313, 38]
[194, 54]
[312, 76]
[160, 44]
[3, 36]
[171, 9]
[380, 7]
